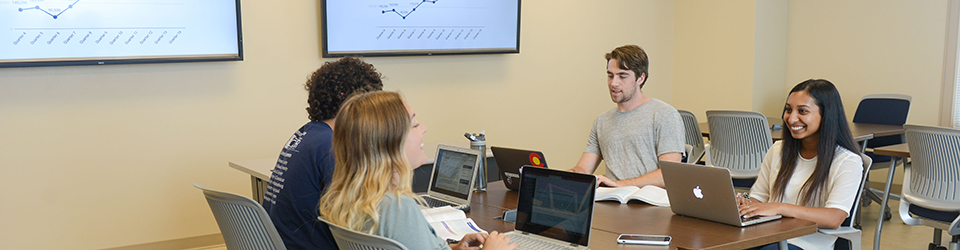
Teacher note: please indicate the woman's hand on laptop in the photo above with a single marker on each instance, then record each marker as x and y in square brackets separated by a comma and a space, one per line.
[756, 208]
[743, 199]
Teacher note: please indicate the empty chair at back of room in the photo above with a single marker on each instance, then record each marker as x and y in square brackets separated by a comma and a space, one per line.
[692, 136]
[887, 109]
[931, 184]
[243, 223]
[738, 141]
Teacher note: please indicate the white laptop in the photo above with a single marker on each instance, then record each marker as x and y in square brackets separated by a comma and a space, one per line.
[704, 192]
[451, 182]
[554, 209]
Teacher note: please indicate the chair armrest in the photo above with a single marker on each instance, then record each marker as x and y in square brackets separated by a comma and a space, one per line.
[706, 155]
[849, 233]
[904, 212]
[838, 231]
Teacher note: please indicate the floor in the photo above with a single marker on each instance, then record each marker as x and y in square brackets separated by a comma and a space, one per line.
[896, 235]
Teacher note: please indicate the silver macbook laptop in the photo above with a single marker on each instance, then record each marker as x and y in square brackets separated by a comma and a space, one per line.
[451, 183]
[704, 192]
[554, 209]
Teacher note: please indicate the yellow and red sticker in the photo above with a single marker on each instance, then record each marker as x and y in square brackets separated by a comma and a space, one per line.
[535, 159]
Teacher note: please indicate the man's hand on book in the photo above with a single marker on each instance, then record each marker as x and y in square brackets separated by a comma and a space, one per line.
[603, 181]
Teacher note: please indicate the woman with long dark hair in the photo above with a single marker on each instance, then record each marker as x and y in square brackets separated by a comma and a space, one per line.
[814, 173]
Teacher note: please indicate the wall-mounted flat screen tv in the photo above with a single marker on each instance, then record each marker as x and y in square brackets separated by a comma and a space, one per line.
[419, 27]
[96, 32]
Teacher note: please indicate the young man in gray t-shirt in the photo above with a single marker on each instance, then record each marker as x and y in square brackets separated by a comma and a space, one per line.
[639, 132]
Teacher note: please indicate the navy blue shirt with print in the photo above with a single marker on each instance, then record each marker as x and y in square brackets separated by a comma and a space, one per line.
[304, 169]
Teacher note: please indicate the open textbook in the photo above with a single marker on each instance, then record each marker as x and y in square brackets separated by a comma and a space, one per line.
[450, 223]
[649, 194]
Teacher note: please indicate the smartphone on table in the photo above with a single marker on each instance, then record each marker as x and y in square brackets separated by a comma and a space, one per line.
[644, 239]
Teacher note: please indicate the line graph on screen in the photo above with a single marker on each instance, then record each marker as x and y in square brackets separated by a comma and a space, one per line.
[404, 13]
[49, 11]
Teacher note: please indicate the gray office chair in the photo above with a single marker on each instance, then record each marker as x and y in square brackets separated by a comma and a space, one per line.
[888, 109]
[851, 235]
[352, 240]
[692, 136]
[243, 222]
[931, 184]
[738, 141]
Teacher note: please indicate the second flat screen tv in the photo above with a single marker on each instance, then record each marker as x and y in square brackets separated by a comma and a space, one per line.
[419, 27]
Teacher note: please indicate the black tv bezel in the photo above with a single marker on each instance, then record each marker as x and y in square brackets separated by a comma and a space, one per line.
[326, 52]
[136, 59]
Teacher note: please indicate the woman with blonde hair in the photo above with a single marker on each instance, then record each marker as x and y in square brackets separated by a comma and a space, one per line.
[377, 143]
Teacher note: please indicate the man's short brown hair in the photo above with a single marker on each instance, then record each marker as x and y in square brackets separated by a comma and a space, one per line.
[633, 58]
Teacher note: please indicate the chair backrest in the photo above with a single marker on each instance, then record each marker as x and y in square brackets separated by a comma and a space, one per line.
[867, 161]
[738, 141]
[352, 240]
[933, 180]
[887, 109]
[693, 136]
[243, 222]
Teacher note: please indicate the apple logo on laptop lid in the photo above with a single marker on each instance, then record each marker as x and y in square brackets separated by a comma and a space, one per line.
[697, 192]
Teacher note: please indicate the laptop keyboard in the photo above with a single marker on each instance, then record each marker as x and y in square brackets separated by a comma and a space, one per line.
[431, 202]
[526, 242]
[745, 220]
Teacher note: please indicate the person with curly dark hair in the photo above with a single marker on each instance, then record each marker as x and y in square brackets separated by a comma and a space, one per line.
[306, 163]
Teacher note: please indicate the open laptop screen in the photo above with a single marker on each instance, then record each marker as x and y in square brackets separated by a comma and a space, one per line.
[452, 173]
[556, 204]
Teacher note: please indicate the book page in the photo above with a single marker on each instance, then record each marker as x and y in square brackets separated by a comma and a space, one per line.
[617, 193]
[652, 194]
[455, 229]
[442, 213]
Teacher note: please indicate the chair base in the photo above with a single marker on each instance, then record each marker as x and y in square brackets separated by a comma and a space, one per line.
[952, 246]
[872, 195]
[954, 243]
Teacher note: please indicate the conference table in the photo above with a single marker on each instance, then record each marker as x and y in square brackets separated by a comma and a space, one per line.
[261, 169]
[894, 151]
[610, 219]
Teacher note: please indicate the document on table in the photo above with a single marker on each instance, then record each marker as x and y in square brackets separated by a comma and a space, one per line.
[450, 223]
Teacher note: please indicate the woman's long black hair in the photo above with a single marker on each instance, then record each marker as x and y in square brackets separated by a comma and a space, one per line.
[834, 131]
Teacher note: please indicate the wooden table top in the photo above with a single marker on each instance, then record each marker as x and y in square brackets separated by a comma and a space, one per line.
[898, 150]
[612, 219]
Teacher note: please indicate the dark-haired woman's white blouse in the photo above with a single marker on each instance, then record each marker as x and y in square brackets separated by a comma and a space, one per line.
[841, 188]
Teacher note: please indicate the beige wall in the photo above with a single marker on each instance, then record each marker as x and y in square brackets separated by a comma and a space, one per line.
[713, 55]
[770, 56]
[103, 156]
[868, 47]
[737, 49]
